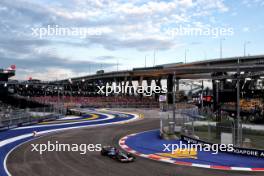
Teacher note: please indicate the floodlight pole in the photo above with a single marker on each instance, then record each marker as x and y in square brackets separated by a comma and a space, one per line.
[245, 47]
[45, 94]
[239, 130]
[117, 63]
[174, 101]
[58, 96]
[154, 58]
[145, 61]
[221, 47]
[185, 55]
[217, 98]
[202, 103]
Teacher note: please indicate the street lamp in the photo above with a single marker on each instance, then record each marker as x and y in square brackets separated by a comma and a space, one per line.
[238, 120]
[205, 54]
[89, 69]
[185, 55]
[70, 81]
[146, 61]
[248, 79]
[245, 47]
[229, 80]
[154, 57]
[174, 101]
[202, 105]
[221, 47]
[117, 63]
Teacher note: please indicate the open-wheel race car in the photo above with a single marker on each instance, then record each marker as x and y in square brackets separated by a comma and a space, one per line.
[116, 154]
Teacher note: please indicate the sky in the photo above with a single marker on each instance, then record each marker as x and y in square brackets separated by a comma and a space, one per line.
[51, 39]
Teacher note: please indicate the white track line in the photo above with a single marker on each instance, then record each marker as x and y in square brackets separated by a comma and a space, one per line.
[8, 141]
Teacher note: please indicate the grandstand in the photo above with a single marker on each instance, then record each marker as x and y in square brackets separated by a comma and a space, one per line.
[5, 74]
[102, 102]
[82, 91]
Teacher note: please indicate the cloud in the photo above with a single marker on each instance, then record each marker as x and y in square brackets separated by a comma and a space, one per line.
[18, 46]
[42, 66]
[112, 43]
[250, 3]
[133, 24]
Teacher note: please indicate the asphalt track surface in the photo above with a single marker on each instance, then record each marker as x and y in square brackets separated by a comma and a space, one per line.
[10, 139]
[23, 162]
[149, 145]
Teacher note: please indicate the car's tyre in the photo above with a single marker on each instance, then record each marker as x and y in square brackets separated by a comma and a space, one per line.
[118, 158]
[103, 153]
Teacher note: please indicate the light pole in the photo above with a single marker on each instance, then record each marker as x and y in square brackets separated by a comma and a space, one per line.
[262, 82]
[70, 81]
[58, 96]
[245, 47]
[83, 88]
[221, 47]
[217, 98]
[89, 69]
[117, 63]
[205, 55]
[154, 57]
[146, 61]
[185, 55]
[174, 101]
[202, 105]
[239, 127]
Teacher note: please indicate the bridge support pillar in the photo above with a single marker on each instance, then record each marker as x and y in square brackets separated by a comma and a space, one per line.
[158, 83]
[170, 89]
[148, 92]
[140, 82]
[131, 88]
[123, 86]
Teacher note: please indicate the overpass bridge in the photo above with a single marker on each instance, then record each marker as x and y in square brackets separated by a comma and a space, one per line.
[194, 70]
[215, 69]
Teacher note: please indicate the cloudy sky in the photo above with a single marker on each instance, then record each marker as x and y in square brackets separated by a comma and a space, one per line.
[124, 32]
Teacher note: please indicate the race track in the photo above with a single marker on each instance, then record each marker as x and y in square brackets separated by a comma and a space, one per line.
[11, 139]
[23, 162]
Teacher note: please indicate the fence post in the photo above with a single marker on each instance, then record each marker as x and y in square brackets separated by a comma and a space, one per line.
[192, 126]
[209, 130]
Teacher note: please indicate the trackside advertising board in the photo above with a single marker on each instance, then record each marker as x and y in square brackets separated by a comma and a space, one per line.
[237, 150]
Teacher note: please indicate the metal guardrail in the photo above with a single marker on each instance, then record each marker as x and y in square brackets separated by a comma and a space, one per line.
[211, 131]
[16, 118]
[182, 116]
[125, 105]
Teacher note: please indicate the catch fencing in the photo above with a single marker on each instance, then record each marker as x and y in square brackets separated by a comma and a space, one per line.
[10, 118]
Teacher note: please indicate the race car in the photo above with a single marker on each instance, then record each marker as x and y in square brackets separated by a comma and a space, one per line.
[116, 154]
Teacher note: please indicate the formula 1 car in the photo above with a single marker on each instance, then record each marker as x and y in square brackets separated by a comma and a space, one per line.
[116, 154]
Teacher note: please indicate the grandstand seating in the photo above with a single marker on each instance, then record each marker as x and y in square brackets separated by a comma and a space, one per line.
[118, 101]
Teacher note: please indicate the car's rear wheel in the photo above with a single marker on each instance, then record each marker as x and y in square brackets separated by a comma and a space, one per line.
[103, 153]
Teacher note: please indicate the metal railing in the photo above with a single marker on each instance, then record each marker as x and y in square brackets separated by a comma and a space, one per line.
[218, 132]
[19, 117]
[188, 122]
[182, 116]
